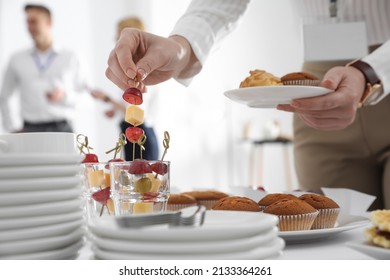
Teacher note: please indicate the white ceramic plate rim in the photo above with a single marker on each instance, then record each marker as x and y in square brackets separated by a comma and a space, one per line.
[38, 159]
[371, 250]
[39, 171]
[16, 223]
[24, 198]
[256, 253]
[317, 234]
[201, 247]
[38, 184]
[271, 96]
[41, 209]
[218, 225]
[40, 231]
[59, 254]
[40, 244]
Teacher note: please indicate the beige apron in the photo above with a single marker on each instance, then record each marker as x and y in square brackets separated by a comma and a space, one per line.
[356, 157]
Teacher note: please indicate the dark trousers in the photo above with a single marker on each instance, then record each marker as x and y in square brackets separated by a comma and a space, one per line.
[56, 126]
[151, 151]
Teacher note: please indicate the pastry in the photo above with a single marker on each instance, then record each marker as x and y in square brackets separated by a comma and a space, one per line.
[207, 198]
[293, 214]
[260, 78]
[236, 203]
[300, 78]
[273, 197]
[328, 210]
[180, 201]
[379, 234]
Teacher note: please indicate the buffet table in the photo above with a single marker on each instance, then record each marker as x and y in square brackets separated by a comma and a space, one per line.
[331, 248]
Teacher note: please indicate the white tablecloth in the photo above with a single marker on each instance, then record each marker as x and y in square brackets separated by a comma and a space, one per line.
[332, 248]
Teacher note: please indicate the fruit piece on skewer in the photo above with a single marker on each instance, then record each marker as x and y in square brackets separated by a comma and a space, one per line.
[133, 96]
[89, 157]
[143, 207]
[140, 166]
[134, 115]
[96, 178]
[102, 197]
[117, 149]
[134, 133]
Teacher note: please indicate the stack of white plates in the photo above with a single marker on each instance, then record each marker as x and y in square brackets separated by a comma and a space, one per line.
[224, 235]
[41, 214]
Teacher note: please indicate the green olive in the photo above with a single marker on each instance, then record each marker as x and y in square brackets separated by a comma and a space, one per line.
[143, 185]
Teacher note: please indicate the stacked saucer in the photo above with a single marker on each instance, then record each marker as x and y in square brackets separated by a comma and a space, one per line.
[41, 214]
[224, 235]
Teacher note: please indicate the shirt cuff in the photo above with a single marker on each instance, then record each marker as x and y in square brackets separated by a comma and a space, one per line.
[379, 60]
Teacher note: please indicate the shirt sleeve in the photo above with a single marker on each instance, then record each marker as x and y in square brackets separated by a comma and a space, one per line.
[79, 83]
[207, 22]
[379, 60]
[8, 87]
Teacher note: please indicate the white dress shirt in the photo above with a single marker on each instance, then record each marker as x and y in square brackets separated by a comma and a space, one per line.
[206, 22]
[34, 74]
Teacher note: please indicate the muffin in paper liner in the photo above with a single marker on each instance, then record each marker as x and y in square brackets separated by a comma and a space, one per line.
[177, 207]
[296, 222]
[326, 218]
[208, 203]
[301, 83]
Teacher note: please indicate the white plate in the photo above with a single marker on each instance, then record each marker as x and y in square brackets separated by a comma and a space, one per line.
[40, 231]
[39, 171]
[38, 184]
[23, 198]
[257, 253]
[68, 252]
[40, 244]
[303, 236]
[38, 159]
[200, 247]
[371, 250]
[218, 225]
[41, 209]
[271, 96]
[15, 223]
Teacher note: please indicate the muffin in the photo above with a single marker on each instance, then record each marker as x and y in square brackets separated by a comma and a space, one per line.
[180, 201]
[293, 214]
[236, 203]
[300, 79]
[273, 197]
[207, 198]
[260, 78]
[328, 210]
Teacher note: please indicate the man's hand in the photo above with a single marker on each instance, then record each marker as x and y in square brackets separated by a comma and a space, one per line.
[149, 59]
[335, 110]
[57, 95]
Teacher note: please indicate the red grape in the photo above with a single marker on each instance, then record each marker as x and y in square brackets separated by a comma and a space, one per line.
[90, 158]
[133, 133]
[140, 166]
[102, 196]
[107, 166]
[160, 168]
[133, 96]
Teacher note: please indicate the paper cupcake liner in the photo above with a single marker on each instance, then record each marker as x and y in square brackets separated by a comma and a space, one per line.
[208, 203]
[301, 83]
[296, 222]
[326, 218]
[177, 207]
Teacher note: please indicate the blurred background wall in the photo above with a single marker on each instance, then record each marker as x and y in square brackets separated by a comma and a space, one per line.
[207, 150]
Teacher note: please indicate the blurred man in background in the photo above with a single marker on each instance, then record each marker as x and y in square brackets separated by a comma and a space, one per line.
[46, 78]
